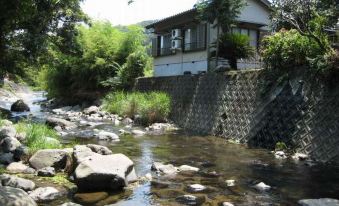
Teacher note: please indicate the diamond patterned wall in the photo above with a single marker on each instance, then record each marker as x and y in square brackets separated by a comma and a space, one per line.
[231, 106]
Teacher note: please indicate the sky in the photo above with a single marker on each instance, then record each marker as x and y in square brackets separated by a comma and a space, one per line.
[118, 12]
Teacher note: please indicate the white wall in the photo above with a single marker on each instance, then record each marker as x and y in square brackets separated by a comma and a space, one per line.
[177, 64]
[255, 12]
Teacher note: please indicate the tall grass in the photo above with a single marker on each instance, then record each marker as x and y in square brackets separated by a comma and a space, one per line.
[36, 136]
[151, 107]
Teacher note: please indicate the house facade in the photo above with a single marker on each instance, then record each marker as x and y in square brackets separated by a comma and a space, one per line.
[181, 43]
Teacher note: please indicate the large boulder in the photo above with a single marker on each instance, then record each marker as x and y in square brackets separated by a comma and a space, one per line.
[15, 197]
[6, 158]
[81, 152]
[21, 153]
[20, 106]
[64, 124]
[9, 144]
[17, 182]
[7, 131]
[57, 158]
[319, 202]
[104, 172]
[45, 194]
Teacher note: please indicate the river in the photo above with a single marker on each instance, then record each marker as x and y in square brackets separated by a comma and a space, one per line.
[218, 161]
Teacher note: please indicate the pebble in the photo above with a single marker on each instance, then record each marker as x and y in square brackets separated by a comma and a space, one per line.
[262, 186]
[196, 188]
[230, 183]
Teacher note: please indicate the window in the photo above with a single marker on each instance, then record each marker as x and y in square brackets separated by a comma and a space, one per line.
[195, 38]
[166, 43]
[252, 33]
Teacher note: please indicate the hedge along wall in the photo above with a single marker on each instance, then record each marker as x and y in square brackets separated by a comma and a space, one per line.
[233, 106]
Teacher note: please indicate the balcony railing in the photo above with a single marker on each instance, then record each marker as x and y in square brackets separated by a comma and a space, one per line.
[192, 46]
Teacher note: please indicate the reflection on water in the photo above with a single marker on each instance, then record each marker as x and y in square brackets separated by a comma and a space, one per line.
[290, 181]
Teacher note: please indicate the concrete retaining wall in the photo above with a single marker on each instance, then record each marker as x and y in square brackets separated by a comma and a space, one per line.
[233, 106]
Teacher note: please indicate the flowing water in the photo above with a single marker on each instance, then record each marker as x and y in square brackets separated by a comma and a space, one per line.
[218, 161]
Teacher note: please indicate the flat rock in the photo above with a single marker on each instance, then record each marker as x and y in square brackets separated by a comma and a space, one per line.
[137, 132]
[46, 172]
[103, 135]
[10, 196]
[100, 149]
[188, 168]
[56, 158]
[64, 124]
[168, 169]
[44, 194]
[104, 172]
[319, 202]
[191, 199]
[17, 182]
[19, 167]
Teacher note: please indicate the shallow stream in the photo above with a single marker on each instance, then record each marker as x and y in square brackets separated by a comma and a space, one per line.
[218, 161]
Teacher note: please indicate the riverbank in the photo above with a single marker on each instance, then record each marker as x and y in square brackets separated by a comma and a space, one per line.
[172, 167]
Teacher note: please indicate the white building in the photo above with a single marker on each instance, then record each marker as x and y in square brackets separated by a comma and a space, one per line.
[181, 43]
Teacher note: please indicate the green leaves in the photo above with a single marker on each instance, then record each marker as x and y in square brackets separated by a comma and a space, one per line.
[151, 107]
[235, 46]
[224, 11]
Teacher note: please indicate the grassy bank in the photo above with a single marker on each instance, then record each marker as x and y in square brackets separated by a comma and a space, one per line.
[150, 107]
[38, 136]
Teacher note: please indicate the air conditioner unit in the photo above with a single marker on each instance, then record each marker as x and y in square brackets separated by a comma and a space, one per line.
[176, 44]
[176, 34]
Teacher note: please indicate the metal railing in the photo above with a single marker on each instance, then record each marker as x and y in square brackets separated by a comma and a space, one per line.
[192, 46]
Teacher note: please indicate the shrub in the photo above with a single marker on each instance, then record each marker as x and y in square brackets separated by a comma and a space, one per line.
[235, 46]
[136, 64]
[280, 146]
[36, 136]
[151, 107]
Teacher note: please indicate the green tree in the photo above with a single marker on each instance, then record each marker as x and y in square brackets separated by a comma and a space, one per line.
[221, 13]
[26, 25]
[309, 17]
[235, 46]
[137, 63]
